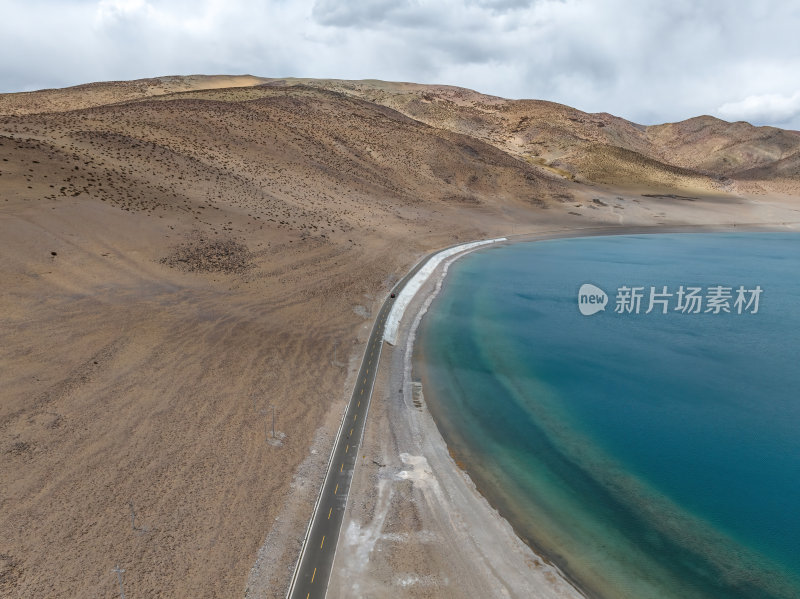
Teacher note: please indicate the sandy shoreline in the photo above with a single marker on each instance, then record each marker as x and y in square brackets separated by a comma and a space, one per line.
[411, 504]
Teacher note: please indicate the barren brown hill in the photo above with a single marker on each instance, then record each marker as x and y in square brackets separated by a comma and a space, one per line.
[172, 268]
[110, 92]
[179, 254]
[720, 147]
[574, 143]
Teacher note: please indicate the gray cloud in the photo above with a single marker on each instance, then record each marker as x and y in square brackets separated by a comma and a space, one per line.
[649, 61]
[355, 14]
[502, 6]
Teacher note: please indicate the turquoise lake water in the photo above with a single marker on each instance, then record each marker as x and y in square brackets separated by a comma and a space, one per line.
[647, 455]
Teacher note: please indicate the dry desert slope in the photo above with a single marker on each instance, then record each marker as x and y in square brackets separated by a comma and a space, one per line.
[177, 255]
[574, 142]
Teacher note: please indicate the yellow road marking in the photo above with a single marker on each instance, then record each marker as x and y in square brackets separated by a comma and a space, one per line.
[362, 391]
[359, 404]
[346, 449]
[336, 489]
[313, 574]
[351, 431]
[340, 467]
[309, 595]
[365, 378]
[329, 513]
[323, 542]
[354, 417]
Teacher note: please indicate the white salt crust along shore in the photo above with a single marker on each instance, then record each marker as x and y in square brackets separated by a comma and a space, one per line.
[417, 281]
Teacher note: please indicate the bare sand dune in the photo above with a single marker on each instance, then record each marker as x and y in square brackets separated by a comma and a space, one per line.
[179, 254]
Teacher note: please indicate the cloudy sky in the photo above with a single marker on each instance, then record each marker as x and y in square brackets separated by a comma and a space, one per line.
[646, 60]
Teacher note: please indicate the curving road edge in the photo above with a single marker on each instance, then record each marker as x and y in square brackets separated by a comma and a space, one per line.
[313, 568]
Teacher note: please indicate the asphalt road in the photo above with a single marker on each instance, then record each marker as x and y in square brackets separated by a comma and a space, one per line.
[314, 567]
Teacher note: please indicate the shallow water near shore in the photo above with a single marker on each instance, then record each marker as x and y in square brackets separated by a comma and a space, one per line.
[648, 455]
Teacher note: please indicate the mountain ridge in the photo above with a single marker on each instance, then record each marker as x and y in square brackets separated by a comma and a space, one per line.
[556, 137]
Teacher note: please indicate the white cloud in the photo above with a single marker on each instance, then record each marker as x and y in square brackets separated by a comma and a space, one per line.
[649, 60]
[765, 108]
[112, 10]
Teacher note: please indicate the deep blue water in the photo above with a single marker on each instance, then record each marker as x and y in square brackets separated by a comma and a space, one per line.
[648, 455]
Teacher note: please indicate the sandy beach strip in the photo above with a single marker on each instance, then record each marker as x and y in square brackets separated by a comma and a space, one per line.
[410, 289]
